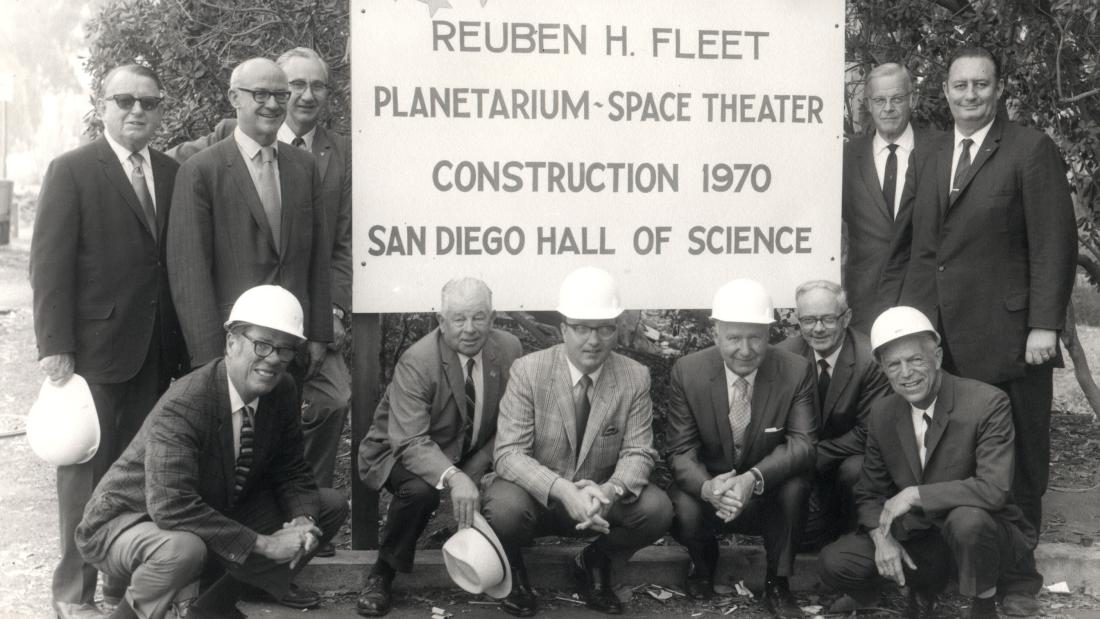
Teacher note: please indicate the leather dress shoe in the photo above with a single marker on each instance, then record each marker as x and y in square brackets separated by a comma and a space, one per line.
[376, 598]
[300, 598]
[778, 599]
[983, 608]
[1020, 605]
[699, 586]
[325, 550]
[854, 601]
[920, 605]
[592, 569]
[521, 601]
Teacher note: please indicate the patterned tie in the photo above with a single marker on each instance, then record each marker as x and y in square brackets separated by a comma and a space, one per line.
[740, 413]
[244, 457]
[963, 167]
[471, 400]
[583, 406]
[137, 179]
[823, 379]
[268, 187]
[298, 142]
[890, 179]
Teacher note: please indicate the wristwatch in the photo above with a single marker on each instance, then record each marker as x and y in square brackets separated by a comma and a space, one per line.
[758, 483]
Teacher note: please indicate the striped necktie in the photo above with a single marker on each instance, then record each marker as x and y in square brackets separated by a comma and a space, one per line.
[471, 400]
[244, 457]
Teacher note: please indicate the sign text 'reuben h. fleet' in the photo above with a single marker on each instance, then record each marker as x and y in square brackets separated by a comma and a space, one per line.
[677, 145]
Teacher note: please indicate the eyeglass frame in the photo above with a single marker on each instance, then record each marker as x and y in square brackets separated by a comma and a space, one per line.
[824, 320]
[257, 345]
[896, 100]
[134, 99]
[261, 96]
[584, 330]
[318, 87]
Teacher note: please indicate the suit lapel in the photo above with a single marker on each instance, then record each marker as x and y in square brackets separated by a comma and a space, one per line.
[604, 395]
[113, 170]
[719, 398]
[563, 398]
[941, 417]
[238, 171]
[489, 394]
[322, 149]
[225, 431]
[761, 393]
[842, 375]
[989, 146]
[164, 191]
[871, 180]
[903, 425]
[452, 369]
[286, 190]
[943, 173]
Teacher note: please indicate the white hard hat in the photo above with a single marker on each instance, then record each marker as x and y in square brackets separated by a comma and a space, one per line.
[476, 561]
[589, 293]
[897, 322]
[269, 306]
[743, 300]
[63, 427]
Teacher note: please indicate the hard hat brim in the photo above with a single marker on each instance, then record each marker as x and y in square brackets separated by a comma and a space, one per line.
[590, 314]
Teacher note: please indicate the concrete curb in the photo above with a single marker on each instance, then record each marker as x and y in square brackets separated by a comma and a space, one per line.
[548, 566]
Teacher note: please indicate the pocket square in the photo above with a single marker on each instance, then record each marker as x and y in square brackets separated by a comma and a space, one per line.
[767, 430]
[611, 430]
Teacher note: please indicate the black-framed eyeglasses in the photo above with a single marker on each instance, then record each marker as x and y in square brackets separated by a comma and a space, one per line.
[263, 349]
[828, 321]
[299, 86]
[896, 100]
[261, 96]
[604, 331]
[126, 101]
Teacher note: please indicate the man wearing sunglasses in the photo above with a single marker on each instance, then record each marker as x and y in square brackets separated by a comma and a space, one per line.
[248, 211]
[215, 484]
[101, 299]
[575, 449]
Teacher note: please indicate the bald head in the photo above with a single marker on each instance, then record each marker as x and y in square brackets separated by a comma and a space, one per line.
[258, 90]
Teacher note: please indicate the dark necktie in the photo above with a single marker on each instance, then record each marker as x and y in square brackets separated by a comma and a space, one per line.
[890, 179]
[244, 456]
[583, 406]
[137, 179]
[823, 380]
[963, 167]
[923, 436]
[298, 142]
[471, 400]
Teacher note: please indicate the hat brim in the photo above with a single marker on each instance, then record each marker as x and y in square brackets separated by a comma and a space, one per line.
[504, 587]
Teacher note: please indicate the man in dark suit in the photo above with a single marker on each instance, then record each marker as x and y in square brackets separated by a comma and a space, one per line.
[575, 449]
[102, 306]
[741, 433]
[994, 246]
[217, 471]
[934, 494]
[435, 428]
[245, 212]
[874, 179]
[848, 383]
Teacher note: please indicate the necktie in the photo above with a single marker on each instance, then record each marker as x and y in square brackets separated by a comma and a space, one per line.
[823, 380]
[583, 406]
[740, 413]
[471, 399]
[963, 167]
[920, 439]
[298, 142]
[137, 179]
[244, 457]
[890, 178]
[269, 192]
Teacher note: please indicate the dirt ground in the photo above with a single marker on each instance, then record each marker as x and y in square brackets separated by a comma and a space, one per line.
[28, 505]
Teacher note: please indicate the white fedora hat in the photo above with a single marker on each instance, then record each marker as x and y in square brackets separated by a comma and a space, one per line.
[476, 561]
[63, 427]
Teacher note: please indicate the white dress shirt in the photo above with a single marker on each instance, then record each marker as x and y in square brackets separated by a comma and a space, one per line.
[831, 360]
[146, 168]
[287, 135]
[236, 407]
[978, 137]
[920, 427]
[250, 150]
[879, 147]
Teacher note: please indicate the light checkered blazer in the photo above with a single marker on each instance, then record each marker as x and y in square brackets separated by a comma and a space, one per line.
[536, 430]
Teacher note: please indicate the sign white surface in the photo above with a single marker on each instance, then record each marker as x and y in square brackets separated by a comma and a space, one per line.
[677, 145]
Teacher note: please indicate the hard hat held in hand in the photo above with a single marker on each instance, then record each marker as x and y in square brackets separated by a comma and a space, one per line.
[589, 293]
[897, 322]
[63, 427]
[743, 300]
[269, 306]
[476, 561]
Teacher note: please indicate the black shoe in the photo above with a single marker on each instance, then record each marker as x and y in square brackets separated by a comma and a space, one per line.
[325, 551]
[300, 598]
[983, 608]
[521, 601]
[1020, 605]
[700, 579]
[778, 599]
[375, 599]
[592, 569]
[921, 604]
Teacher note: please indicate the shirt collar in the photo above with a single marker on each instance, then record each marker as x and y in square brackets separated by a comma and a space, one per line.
[462, 359]
[905, 140]
[918, 413]
[236, 403]
[731, 376]
[576, 374]
[978, 136]
[286, 134]
[123, 153]
[831, 358]
[249, 146]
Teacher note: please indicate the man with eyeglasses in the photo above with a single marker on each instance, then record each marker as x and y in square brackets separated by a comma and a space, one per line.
[215, 484]
[435, 429]
[102, 307]
[741, 434]
[248, 211]
[874, 180]
[575, 449]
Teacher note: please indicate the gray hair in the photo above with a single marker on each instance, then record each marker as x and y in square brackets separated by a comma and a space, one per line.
[465, 286]
[823, 284]
[884, 70]
[302, 52]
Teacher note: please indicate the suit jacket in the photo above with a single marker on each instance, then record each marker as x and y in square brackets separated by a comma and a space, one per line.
[999, 258]
[536, 432]
[97, 272]
[856, 382]
[221, 244]
[779, 441]
[420, 419]
[969, 459]
[333, 154]
[869, 228]
[179, 471]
